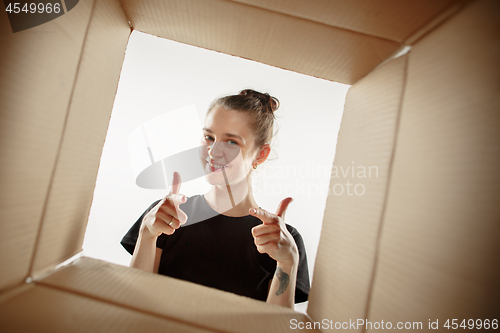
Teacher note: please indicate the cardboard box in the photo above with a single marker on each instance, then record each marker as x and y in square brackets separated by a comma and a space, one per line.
[421, 246]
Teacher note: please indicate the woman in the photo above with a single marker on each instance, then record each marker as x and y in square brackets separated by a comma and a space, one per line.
[223, 239]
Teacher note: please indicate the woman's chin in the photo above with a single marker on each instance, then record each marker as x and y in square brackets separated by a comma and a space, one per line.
[215, 178]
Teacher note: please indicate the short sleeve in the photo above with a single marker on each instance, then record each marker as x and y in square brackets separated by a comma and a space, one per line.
[130, 239]
[303, 284]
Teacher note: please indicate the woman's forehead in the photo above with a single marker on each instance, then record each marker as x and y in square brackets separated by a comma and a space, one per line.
[228, 121]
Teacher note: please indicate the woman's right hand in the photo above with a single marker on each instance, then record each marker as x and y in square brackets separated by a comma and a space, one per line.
[166, 216]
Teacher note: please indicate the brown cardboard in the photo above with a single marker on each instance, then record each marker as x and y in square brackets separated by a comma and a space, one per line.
[14, 292]
[350, 235]
[170, 298]
[416, 247]
[284, 41]
[73, 182]
[439, 246]
[38, 68]
[44, 309]
[394, 20]
[449, 12]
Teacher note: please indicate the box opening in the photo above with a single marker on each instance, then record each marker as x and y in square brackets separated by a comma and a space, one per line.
[161, 78]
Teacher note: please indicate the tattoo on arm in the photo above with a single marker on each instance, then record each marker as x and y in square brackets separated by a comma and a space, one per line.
[284, 280]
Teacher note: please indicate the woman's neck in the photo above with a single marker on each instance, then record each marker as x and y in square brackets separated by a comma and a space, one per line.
[233, 202]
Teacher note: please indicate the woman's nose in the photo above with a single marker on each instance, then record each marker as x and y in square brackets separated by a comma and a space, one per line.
[214, 150]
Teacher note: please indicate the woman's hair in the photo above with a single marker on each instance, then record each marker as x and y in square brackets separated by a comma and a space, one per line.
[260, 107]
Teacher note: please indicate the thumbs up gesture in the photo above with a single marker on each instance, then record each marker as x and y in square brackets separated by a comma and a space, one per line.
[166, 216]
[272, 236]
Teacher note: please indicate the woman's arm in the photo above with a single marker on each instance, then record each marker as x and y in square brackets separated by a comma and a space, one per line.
[273, 238]
[146, 255]
[282, 290]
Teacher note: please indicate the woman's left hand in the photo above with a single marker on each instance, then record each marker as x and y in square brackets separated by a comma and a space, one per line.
[272, 236]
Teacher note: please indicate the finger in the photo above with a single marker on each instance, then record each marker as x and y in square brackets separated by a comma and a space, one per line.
[264, 239]
[267, 248]
[264, 216]
[263, 229]
[173, 223]
[181, 216]
[283, 207]
[174, 211]
[169, 220]
[176, 183]
[176, 199]
[163, 227]
[168, 230]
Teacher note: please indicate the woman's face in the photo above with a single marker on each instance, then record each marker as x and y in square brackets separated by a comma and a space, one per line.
[227, 143]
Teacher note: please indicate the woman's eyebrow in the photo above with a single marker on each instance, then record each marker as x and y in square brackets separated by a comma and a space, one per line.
[231, 135]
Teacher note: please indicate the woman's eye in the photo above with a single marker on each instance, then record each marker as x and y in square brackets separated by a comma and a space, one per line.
[232, 142]
[208, 138]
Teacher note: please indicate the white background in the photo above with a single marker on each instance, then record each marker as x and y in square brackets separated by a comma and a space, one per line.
[161, 76]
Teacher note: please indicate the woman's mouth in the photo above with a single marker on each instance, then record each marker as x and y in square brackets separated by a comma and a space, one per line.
[216, 167]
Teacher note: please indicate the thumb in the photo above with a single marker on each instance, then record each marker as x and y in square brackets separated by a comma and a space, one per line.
[283, 207]
[176, 183]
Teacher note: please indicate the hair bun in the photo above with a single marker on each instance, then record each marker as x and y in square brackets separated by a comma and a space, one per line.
[267, 102]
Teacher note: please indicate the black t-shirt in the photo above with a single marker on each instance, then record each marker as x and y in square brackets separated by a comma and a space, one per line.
[218, 251]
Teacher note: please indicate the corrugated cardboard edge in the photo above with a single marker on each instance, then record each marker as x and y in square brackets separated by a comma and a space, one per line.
[363, 24]
[38, 69]
[439, 249]
[305, 46]
[176, 300]
[351, 227]
[436, 22]
[47, 309]
[71, 190]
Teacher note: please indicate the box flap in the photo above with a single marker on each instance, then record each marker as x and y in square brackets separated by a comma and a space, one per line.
[45, 309]
[390, 19]
[37, 72]
[439, 247]
[346, 254]
[258, 34]
[68, 204]
[171, 298]
[15, 292]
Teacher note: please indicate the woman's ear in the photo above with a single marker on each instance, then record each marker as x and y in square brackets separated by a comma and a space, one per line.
[263, 153]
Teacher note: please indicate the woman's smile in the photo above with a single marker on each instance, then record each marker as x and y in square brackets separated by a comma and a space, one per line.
[214, 167]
